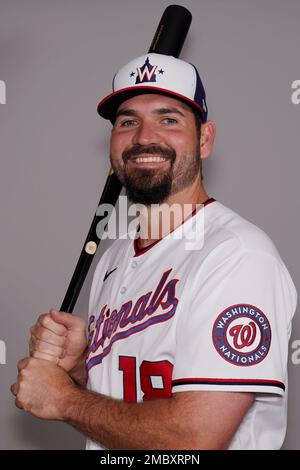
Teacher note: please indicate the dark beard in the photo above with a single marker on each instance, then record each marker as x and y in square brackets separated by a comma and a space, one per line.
[146, 186]
[141, 189]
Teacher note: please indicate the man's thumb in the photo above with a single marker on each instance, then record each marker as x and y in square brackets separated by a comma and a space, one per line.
[71, 322]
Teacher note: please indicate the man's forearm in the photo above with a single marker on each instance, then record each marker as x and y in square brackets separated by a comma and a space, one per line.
[120, 425]
[79, 372]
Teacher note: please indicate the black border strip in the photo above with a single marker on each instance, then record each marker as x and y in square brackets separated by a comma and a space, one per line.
[263, 383]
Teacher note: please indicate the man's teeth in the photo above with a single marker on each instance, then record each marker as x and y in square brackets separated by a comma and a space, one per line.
[149, 159]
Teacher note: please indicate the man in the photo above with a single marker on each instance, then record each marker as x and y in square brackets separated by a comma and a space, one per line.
[188, 344]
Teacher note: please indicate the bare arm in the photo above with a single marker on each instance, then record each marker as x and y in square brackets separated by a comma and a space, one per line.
[79, 372]
[46, 388]
[188, 420]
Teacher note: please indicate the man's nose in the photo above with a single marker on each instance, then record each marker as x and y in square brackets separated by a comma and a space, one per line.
[145, 134]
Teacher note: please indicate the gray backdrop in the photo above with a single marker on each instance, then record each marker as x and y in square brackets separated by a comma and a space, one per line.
[57, 59]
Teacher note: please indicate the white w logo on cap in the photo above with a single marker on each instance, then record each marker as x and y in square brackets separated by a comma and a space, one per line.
[146, 72]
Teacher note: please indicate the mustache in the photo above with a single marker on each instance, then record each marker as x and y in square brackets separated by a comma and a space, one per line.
[150, 150]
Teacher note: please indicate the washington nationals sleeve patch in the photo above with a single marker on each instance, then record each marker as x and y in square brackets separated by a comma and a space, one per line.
[242, 335]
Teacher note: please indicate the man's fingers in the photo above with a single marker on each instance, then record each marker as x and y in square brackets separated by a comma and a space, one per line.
[71, 322]
[36, 344]
[14, 389]
[39, 333]
[22, 363]
[45, 357]
[18, 404]
[46, 321]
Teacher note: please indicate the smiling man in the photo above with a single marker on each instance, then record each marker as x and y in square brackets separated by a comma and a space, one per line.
[158, 140]
[186, 349]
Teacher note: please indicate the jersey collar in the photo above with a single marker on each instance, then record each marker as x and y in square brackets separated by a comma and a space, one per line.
[138, 251]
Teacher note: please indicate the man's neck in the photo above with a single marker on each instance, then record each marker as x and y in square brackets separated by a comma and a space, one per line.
[159, 220]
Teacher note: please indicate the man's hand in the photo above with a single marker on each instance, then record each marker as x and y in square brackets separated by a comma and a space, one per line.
[42, 388]
[58, 337]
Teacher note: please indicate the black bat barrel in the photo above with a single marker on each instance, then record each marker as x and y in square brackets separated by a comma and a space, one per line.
[171, 31]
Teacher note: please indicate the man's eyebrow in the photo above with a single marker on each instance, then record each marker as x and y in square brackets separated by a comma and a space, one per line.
[159, 111]
[126, 112]
[167, 110]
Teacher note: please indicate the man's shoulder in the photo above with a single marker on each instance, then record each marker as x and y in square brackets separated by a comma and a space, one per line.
[239, 233]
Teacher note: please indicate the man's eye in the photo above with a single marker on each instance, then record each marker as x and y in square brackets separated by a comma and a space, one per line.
[170, 121]
[128, 123]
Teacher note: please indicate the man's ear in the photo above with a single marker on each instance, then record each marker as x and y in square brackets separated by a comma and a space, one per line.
[207, 138]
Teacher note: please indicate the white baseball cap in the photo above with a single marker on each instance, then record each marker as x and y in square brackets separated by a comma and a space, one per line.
[155, 73]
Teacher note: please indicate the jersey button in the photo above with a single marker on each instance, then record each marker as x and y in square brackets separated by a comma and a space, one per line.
[134, 264]
[123, 290]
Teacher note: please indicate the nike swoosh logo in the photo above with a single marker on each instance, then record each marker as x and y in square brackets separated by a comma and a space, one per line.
[108, 273]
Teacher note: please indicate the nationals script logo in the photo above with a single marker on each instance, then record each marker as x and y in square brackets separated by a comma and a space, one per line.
[242, 335]
[116, 324]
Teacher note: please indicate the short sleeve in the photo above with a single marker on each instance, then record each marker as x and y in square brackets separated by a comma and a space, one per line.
[234, 334]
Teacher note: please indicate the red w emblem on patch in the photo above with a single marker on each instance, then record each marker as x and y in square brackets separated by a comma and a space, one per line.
[243, 335]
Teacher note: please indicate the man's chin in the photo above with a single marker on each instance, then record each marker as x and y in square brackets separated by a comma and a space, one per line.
[148, 175]
[141, 195]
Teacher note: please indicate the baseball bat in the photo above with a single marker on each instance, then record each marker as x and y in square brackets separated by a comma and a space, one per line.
[168, 39]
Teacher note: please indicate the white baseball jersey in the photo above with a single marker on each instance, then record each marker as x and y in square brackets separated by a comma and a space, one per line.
[167, 319]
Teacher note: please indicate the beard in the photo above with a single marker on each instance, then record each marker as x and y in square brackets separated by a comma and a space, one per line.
[154, 186]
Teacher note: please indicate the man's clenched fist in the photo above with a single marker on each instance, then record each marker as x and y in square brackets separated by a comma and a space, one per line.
[58, 337]
[42, 388]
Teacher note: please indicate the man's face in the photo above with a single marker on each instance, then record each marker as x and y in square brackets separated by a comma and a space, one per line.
[155, 149]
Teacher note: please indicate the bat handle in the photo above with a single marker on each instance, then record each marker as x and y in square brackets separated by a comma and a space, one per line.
[110, 196]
